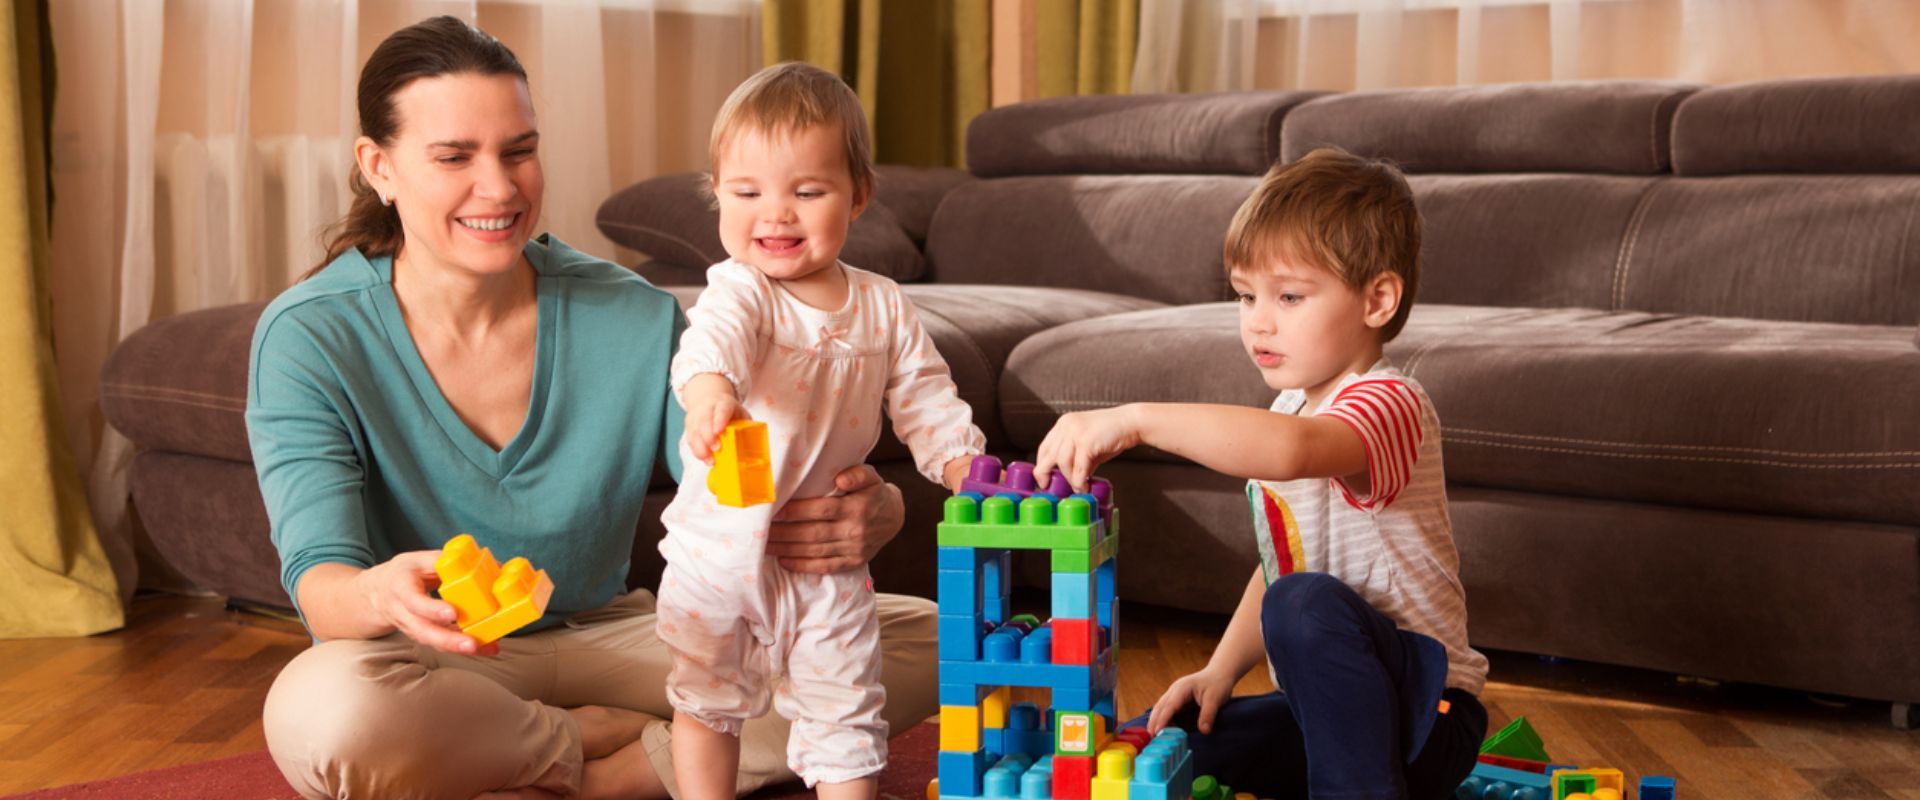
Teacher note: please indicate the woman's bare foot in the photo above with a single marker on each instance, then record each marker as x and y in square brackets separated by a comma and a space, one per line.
[616, 760]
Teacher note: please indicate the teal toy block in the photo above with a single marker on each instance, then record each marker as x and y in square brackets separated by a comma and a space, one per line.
[1489, 782]
[1073, 595]
[1164, 769]
[961, 774]
[1037, 782]
[1034, 525]
[1656, 787]
[1002, 780]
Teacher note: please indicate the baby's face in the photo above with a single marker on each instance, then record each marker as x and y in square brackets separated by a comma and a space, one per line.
[785, 200]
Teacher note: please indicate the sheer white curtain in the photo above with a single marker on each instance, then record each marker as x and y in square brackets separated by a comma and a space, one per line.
[200, 146]
[1343, 45]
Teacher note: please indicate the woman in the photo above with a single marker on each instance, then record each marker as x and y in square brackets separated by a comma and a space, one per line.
[442, 372]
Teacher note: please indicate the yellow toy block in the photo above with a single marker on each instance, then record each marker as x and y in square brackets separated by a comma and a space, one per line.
[490, 601]
[1115, 770]
[742, 472]
[959, 729]
[993, 710]
[1569, 783]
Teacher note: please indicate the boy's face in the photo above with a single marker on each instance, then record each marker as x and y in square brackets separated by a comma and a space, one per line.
[1304, 328]
[785, 200]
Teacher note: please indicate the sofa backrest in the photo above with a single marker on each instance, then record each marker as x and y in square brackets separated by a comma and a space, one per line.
[1790, 200]
[1126, 194]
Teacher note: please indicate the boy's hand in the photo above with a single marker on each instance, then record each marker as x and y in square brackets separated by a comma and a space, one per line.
[1080, 442]
[1206, 688]
[711, 404]
[956, 471]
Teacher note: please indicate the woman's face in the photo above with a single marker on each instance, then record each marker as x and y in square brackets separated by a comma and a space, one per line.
[463, 171]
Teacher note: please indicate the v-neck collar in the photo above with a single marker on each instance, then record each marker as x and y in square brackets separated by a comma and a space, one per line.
[497, 463]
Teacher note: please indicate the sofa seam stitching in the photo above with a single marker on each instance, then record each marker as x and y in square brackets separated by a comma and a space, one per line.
[1691, 459]
[1623, 262]
[1720, 448]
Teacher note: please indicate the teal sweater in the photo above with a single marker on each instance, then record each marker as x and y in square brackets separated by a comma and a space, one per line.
[360, 456]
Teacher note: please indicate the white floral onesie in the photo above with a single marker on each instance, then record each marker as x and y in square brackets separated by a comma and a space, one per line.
[733, 618]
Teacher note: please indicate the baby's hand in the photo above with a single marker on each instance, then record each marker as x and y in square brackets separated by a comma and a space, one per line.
[1080, 442]
[956, 471]
[711, 404]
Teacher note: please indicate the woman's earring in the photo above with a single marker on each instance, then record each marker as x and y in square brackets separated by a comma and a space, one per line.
[384, 199]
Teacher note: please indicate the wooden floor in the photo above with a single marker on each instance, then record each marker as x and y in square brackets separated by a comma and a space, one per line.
[184, 681]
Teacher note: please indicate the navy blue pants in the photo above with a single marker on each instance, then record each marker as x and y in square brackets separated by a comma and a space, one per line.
[1357, 714]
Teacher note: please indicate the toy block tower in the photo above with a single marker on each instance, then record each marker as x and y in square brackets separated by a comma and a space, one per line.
[989, 749]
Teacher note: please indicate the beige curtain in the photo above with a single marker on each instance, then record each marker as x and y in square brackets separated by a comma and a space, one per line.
[200, 146]
[54, 578]
[1343, 45]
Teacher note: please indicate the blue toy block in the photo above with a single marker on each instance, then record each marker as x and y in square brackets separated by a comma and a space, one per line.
[960, 638]
[996, 585]
[1037, 648]
[1656, 787]
[1073, 595]
[994, 741]
[958, 591]
[1093, 679]
[1037, 782]
[961, 773]
[1488, 782]
[1103, 592]
[1103, 706]
[1003, 646]
[963, 694]
[1164, 769]
[1003, 778]
[956, 558]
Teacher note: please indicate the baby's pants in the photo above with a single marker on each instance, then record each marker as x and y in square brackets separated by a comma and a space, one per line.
[807, 643]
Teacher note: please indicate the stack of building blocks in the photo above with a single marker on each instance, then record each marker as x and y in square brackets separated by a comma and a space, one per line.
[1514, 765]
[983, 650]
[1517, 740]
[490, 601]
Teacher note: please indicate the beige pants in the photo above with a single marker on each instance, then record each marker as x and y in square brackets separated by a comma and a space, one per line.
[387, 718]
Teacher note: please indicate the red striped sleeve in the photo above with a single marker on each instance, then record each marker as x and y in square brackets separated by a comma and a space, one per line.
[1386, 415]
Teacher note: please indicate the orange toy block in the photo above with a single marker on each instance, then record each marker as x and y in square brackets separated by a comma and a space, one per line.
[490, 601]
[742, 472]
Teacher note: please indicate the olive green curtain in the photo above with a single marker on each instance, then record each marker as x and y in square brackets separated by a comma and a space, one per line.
[920, 67]
[1085, 46]
[54, 576]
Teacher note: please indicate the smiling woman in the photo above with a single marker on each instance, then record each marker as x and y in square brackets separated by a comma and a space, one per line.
[448, 371]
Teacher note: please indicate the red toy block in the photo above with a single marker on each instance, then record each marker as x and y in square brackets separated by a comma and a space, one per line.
[1073, 643]
[1138, 737]
[1521, 764]
[1072, 777]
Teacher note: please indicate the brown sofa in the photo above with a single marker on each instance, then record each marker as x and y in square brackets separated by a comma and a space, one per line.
[1668, 329]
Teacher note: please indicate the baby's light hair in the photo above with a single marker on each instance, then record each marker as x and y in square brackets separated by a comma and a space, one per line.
[791, 97]
[1351, 216]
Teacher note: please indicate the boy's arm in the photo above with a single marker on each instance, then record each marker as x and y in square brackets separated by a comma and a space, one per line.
[1233, 440]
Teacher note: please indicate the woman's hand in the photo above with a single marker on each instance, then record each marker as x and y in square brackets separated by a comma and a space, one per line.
[1080, 442]
[397, 592]
[1207, 689]
[711, 404]
[833, 534]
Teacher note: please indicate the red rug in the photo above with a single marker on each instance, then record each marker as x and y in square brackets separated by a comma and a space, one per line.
[910, 765]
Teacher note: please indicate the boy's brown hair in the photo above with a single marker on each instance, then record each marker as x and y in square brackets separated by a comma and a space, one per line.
[1351, 216]
[788, 98]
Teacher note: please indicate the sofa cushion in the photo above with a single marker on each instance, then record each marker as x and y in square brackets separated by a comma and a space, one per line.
[1228, 134]
[1816, 248]
[1830, 125]
[1616, 127]
[1524, 240]
[180, 384]
[672, 219]
[912, 194]
[1157, 237]
[1732, 414]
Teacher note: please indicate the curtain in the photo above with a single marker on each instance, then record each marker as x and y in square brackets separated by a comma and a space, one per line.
[1059, 48]
[201, 145]
[920, 90]
[1343, 45]
[55, 579]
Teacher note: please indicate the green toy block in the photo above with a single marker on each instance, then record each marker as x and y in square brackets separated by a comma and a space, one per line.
[1087, 560]
[1517, 740]
[998, 524]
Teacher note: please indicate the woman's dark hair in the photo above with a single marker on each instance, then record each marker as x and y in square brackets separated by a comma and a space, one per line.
[430, 48]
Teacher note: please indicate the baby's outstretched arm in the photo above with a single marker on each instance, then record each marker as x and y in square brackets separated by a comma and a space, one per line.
[711, 404]
[1233, 440]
